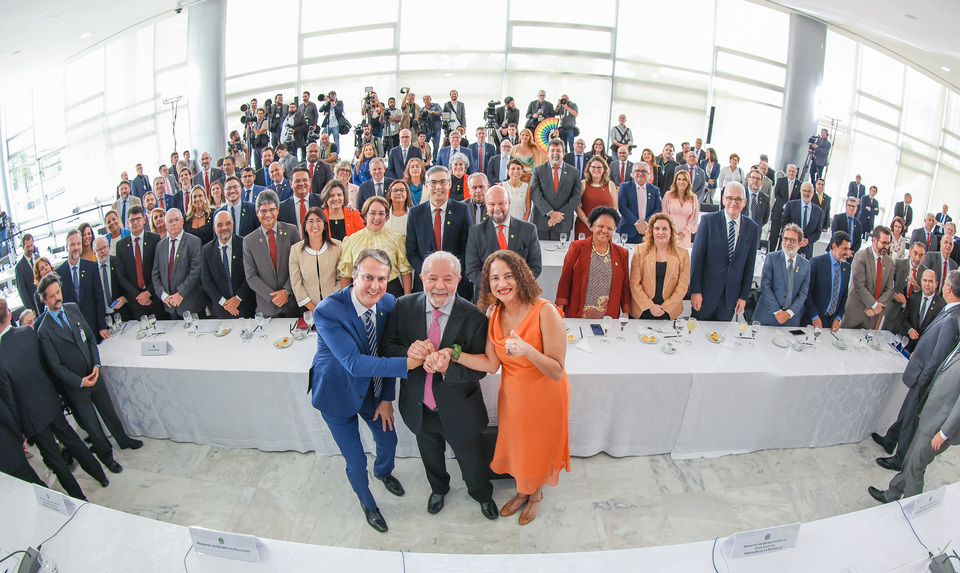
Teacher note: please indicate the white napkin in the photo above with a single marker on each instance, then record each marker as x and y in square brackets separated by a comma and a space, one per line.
[584, 345]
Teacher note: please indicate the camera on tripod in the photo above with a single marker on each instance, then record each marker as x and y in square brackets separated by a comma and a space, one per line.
[246, 118]
[811, 142]
[490, 114]
[358, 134]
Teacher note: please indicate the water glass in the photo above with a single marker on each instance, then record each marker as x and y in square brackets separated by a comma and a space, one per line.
[563, 240]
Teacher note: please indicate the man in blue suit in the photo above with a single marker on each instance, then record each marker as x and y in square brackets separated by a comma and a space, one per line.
[243, 213]
[785, 282]
[350, 380]
[829, 285]
[423, 232]
[723, 259]
[377, 185]
[848, 223]
[804, 213]
[81, 285]
[482, 151]
[181, 199]
[250, 189]
[869, 209]
[141, 183]
[628, 202]
[401, 154]
[279, 183]
[445, 153]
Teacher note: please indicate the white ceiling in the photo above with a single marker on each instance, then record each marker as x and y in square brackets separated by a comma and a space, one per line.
[35, 35]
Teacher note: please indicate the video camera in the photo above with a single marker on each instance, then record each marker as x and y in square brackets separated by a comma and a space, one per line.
[246, 118]
[490, 114]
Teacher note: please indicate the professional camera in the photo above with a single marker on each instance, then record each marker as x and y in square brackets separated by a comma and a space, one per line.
[563, 101]
[245, 118]
[313, 137]
[424, 116]
[490, 114]
[236, 147]
[358, 134]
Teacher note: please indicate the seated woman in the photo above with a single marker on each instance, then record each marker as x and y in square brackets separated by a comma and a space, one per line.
[400, 203]
[594, 280]
[377, 236]
[660, 271]
[413, 177]
[361, 172]
[314, 262]
[343, 222]
[158, 222]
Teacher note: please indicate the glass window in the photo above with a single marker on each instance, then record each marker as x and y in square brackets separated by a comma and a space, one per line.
[923, 106]
[597, 13]
[881, 75]
[317, 16]
[753, 29]
[551, 38]
[644, 36]
[419, 31]
[348, 42]
[259, 37]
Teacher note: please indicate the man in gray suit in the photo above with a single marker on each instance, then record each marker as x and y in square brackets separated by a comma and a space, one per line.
[941, 261]
[621, 168]
[176, 269]
[478, 185]
[698, 179]
[784, 283]
[555, 193]
[868, 295]
[266, 256]
[485, 238]
[939, 429]
[906, 281]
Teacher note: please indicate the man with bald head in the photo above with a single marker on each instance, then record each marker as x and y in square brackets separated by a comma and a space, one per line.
[176, 268]
[401, 154]
[222, 273]
[279, 184]
[320, 172]
[208, 173]
[804, 213]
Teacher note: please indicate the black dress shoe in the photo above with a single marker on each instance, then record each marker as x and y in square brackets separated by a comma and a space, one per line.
[132, 444]
[489, 509]
[883, 443]
[392, 484]
[113, 466]
[435, 503]
[375, 519]
[890, 463]
[877, 494]
[104, 482]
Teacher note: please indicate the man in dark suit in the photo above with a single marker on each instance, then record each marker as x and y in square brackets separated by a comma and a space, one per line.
[539, 110]
[141, 183]
[453, 218]
[805, 214]
[500, 231]
[555, 194]
[400, 155]
[377, 185]
[222, 274]
[822, 200]
[243, 212]
[848, 223]
[935, 344]
[445, 404]
[181, 199]
[296, 125]
[250, 189]
[723, 259]
[923, 306]
[937, 430]
[125, 201]
[698, 179]
[856, 188]
[40, 407]
[478, 185]
[266, 260]
[294, 209]
[262, 175]
[134, 261]
[320, 172]
[114, 302]
[667, 167]
[926, 234]
[208, 174]
[176, 269]
[507, 115]
[279, 184]
[13, 462]
[904, 210]
[24, 273]
[906, 281]
[621, 168]
[782, 191]
[482, 150]
[81, 285]
[869, 209]
[940, 262]
[497, 165]
[71, 353]
[577, 158]
[446, 153]
[349, 380]
[757, 205]
[637, 202]
[829, 285]
[942, 219]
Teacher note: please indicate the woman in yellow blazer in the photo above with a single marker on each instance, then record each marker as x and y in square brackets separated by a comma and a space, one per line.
[659, 272]
[314, 261]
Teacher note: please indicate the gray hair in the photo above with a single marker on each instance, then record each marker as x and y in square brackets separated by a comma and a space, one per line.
[734, 185]
[480, 175]
[440, 256]
[806, 185]
[378, 255]
[793, 227]
[952, 279]
[98, 239]
[853, 200]
[375, 160]
[438, 169]
[267, 197]
[460, 158]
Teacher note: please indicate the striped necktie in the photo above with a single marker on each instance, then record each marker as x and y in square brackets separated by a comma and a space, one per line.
[731, 239]
[371, 330]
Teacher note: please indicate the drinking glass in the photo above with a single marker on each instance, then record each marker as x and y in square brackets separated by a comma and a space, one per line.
[581, 237]
[678, 325]
[623, 238]
[755, 327]
[624, 317]
[817, 331]
[563, 240]
[153, 321]
[741, 324]
[616, 238]
[691, 325]
[605, 323]
[188, 322]
[144, 322]
[196, 325]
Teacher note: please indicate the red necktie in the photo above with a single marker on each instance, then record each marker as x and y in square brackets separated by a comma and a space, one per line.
[311, 173]
[139, 258]
[173, 252]
[928, 240]
[206, 181]
[303, 212]
[480, 154]
[501, 240]
[273, 248]
[879, 278]
[436, 228]
[623, 172]
[556, 179]
[913, 275]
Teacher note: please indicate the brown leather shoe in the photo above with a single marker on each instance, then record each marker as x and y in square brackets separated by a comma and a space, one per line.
[525, 517]
[513, 505]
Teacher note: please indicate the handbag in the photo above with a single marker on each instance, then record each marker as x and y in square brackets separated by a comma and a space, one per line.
[344, 126]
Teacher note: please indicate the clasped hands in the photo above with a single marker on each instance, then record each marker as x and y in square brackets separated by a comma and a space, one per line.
[422, 352]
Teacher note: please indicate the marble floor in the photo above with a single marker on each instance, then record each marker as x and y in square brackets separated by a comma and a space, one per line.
[603, 503]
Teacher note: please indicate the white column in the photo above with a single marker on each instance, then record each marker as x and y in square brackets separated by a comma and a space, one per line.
[206, 91]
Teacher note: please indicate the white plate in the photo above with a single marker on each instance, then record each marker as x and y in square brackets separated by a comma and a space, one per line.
[649, 335]
[668, 348]
[283, 342]
[797, 346]
[781, 342]
[221, 332]
[839, 343]
[707, 336]
[875, 345]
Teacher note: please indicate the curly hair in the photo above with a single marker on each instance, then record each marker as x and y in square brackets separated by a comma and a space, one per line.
[604, 177]
[527, 288]
[647, 246]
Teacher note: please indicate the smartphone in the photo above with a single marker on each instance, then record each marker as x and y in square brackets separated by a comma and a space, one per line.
[798, 332]
[114, 303]
[597, 329]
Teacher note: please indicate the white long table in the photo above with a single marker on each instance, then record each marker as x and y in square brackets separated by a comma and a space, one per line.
[627, 398]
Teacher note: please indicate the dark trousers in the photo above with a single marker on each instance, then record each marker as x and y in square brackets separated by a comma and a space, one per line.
[903, 430]
[50, 452]
[346, 432]
[12, 461]
[720, 312]
[774, 242]
[909, 481]
[432, 442]
[87, 404]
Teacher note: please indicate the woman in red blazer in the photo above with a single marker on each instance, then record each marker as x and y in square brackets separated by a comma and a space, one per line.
[595, 280]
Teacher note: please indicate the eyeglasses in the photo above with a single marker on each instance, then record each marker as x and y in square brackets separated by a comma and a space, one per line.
[268, 210]
[789, 240]
[314, 222]
[437, 182]
[736, 200]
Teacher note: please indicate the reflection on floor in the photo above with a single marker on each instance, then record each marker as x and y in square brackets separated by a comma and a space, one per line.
[604, 503]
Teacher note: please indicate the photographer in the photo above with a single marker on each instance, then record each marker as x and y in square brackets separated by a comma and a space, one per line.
[507, 114]
[294, 130]
[820, 146]
[409, 112]
[258, 134]
[249, 116]
[366, 138]
[333, 119]
[391, 128]
[238, 150]
[275, 114]
[458, 113]
[568, 111]
[429, 120]
[311, 115]
[539, 110]
[372, 111]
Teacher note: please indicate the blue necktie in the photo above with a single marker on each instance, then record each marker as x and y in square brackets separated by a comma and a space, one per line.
[226, 271]
[236, 218]
[806, 216]
[371, 330]
[731, 240]
[850, 224]
[76, 282]
[503, 167]
[835, 291]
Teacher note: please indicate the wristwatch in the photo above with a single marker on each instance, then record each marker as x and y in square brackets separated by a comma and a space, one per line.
[456, 352]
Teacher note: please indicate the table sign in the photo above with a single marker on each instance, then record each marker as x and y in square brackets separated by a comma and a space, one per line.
[154, 348]
[760, 541]
[234, 546]
[51, 499]
[925, 502]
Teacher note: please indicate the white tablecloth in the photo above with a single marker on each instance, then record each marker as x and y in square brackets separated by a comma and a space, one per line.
[627, 398]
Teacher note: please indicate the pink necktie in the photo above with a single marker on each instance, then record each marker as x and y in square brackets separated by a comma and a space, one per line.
[434, 337]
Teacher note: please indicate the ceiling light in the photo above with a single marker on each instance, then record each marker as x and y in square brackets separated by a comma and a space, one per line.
[909, 16]
[945, 68]
[84, 35]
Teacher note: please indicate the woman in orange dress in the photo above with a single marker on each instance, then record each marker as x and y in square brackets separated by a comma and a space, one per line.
[596, 190]
[527, 338]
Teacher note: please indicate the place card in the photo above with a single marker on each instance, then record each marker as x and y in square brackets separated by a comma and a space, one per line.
[925, 502]
[761, 541]
[51, 499]
[154, 347]
[223, 544]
